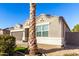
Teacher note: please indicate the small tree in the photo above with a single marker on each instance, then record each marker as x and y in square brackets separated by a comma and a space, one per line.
[76, 28]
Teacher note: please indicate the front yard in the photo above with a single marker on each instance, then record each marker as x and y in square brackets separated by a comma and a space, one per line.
[53, 50]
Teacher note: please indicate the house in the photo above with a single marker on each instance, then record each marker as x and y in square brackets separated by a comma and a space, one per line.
[49, 30]
[4, 32]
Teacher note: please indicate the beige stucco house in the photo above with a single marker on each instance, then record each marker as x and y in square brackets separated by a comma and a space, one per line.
[49, 30]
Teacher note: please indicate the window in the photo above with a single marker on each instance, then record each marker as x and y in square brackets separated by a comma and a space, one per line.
[42, 31]
[38, 31]
[45, 30]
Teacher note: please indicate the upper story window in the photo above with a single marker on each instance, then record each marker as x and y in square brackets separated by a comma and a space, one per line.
[42, 30]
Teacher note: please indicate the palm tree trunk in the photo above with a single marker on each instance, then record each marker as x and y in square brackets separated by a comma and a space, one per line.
[32, 36]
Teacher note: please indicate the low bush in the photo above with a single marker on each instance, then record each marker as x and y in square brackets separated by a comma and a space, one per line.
[7, 44]
[21, 49]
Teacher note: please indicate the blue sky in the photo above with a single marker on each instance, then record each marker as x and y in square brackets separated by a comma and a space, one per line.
[11, 14]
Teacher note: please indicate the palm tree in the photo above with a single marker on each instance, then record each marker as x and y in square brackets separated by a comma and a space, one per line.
[32, 36]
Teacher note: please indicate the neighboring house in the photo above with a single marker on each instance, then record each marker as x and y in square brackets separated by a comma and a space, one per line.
[9, 28]
[4, 32]
[49, 30]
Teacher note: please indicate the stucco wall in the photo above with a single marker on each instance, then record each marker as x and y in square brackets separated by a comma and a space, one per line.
[49, 40]
[55, 27]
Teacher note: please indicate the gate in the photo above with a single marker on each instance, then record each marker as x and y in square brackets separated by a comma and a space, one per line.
[72, 38]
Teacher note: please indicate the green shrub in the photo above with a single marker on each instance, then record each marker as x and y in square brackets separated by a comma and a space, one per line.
[7, 44]
[72, 54]
[21, 49]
